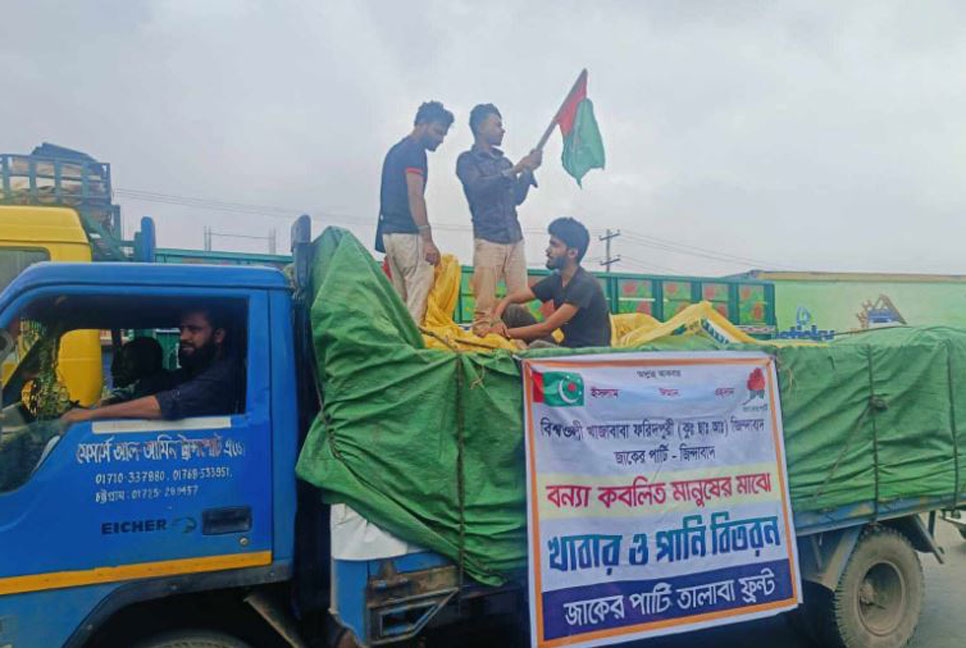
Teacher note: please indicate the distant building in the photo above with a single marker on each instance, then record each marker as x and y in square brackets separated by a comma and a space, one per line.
[820, 304]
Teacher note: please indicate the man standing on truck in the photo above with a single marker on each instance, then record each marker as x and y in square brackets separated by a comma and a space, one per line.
[403, 232]
[581, 311]
[494, 187]
[207, 384]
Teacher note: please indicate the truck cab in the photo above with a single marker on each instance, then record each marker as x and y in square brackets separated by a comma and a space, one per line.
[97, 517]
[132, 529]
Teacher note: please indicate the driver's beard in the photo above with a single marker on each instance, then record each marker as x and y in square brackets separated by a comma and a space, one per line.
[201, 357]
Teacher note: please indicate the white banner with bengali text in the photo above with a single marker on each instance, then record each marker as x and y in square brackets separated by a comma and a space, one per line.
[657, 495]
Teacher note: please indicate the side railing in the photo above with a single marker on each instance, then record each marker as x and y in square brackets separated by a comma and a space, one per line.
[76, 182]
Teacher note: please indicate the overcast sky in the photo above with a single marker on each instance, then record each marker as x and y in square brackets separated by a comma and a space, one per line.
[824, 136]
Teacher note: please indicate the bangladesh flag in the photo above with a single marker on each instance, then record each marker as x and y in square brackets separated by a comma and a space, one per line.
[583, 148]
[558, 389]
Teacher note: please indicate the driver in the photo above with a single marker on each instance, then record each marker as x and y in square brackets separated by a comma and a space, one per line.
[207, 384]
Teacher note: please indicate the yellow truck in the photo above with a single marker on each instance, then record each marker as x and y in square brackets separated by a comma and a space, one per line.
[55, 205]
[30, 235]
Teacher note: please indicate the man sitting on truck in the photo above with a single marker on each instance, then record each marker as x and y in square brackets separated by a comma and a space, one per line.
[209, 382]
[581, 311]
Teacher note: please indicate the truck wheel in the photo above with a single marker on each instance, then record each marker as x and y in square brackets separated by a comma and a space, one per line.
[879, 596]
[193, 639]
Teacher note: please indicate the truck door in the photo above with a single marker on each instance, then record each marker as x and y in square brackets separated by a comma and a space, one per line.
[96, 512]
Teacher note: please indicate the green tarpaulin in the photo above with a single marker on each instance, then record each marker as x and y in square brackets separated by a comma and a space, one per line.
[428, 444]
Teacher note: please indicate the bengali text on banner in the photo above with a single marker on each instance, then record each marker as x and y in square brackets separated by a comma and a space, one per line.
[657, 495]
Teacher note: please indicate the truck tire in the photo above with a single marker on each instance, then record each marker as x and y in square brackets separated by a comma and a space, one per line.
[878, 598]
[192, 639]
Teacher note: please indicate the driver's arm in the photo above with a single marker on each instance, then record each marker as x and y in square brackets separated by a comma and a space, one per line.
[139, 408]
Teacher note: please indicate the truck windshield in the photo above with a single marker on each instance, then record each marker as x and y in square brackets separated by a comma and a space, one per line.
[15, 261]
[33, 399]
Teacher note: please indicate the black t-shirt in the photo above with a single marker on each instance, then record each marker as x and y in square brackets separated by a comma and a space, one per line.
[590, 326]
[407, 156]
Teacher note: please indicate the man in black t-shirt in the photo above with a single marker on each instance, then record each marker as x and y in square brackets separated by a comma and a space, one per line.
[403, 232]
[581, 311]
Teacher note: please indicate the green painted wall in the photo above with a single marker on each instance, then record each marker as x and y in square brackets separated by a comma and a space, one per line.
[836, 305]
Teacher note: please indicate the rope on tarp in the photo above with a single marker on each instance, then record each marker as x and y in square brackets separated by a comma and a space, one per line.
[845, 447]
[875, 404]
[952, 420]
[460, 477]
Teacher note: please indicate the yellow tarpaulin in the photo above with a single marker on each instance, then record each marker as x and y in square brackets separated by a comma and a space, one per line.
[698, 319]
[628, 329]
[443, 331]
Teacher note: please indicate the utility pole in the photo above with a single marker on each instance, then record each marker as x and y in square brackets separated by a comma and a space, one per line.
[609, 260]
[272, 238]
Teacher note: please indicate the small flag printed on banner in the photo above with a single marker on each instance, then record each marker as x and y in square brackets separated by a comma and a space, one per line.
[558, 389]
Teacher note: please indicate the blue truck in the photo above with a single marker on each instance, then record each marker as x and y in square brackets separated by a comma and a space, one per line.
[196, 532]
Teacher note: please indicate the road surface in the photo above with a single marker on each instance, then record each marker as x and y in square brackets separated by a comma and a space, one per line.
[939, 627]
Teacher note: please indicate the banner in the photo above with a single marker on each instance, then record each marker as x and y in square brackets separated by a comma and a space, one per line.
[657, 495]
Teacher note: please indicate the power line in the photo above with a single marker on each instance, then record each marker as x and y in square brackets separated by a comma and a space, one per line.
[673, 250]
[288, 212]
[689, 250]
[683, 248]
[268, 211]
[650, 264]
[272, 211]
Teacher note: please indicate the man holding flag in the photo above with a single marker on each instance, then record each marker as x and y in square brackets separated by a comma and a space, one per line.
[494, 187]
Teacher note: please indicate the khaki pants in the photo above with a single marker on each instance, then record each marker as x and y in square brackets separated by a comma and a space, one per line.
[412, 276]
[492, 262]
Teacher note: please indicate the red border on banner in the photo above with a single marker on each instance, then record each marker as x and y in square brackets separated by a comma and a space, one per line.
[536, 592]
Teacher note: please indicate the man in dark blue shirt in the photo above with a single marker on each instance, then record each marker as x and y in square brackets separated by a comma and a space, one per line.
[403, 232]
[494, 187]
[207, 384]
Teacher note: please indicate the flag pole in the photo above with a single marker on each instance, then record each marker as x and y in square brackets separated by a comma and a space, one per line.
[581, 78]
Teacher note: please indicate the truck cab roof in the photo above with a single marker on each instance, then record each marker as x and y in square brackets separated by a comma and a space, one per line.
[144, 274]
